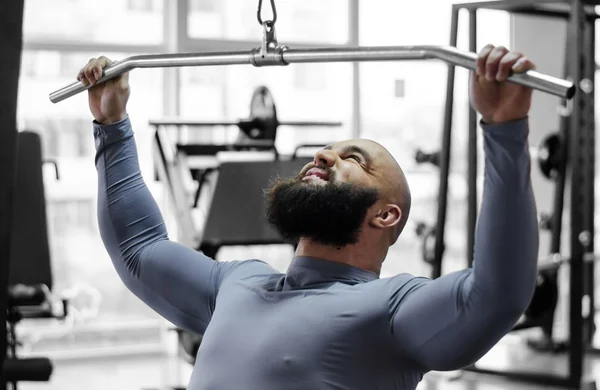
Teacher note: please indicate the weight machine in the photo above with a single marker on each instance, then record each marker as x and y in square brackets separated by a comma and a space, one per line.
[569, 153]
[30, 279]
[233, 208]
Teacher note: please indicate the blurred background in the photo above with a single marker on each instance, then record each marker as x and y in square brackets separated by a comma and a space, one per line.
[400, 105]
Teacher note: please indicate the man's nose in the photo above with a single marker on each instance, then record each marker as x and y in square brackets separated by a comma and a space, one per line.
[325, 158]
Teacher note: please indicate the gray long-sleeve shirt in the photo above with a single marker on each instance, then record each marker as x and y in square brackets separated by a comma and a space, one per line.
[325, 325]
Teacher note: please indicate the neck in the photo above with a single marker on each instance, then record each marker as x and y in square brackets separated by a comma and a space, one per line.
[359, 255]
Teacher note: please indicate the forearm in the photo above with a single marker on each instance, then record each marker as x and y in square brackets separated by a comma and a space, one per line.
[506, 241]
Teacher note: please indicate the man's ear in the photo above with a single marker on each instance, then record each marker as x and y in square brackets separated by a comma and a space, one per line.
[389, 216]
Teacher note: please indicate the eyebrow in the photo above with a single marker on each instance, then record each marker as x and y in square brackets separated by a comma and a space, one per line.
[355, 149]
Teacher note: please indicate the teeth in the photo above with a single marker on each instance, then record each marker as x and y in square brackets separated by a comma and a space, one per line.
[316, 177]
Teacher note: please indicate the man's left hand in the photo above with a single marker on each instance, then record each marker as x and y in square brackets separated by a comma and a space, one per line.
[497, 100]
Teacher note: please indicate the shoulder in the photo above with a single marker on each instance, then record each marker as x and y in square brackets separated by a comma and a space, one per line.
[397, 287]
[245, 268]
[403, 282]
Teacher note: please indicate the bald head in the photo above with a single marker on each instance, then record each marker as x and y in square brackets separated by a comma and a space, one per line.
[350, 204]
[387, 175]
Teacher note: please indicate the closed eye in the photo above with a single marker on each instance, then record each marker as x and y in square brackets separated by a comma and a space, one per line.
[355, 158]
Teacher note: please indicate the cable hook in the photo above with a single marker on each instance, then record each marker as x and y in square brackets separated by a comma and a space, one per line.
[259, 12]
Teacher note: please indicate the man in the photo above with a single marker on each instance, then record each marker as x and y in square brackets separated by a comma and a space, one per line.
[330, 322]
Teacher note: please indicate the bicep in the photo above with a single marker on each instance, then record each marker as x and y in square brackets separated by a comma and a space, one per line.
[441, 324]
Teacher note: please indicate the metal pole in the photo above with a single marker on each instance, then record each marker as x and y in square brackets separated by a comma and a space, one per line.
[172, 24]
[472, 160]
[556, 224]
[354, 35]
[576, 145]
[588, 128]
[559, 189]
[282, 55]
[445, 154]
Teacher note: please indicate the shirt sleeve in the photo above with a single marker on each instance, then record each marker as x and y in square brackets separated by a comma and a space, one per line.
[178, 282]
[451, 322]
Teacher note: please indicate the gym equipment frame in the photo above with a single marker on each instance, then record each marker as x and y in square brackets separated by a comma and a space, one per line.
[578, 133]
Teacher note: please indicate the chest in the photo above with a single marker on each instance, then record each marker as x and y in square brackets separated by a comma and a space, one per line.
[300, 339]
[306, 324]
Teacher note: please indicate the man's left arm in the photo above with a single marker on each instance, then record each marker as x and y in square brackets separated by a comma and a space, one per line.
[451, 322]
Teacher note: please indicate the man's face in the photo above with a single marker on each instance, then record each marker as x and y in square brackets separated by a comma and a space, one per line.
[329, 199]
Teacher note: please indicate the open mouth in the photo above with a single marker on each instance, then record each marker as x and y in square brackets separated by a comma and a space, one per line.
[316, 175]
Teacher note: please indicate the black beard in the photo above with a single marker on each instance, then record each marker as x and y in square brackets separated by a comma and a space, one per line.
[331, 214]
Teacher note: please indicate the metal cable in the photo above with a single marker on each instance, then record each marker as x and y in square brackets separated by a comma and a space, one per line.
[259, 13]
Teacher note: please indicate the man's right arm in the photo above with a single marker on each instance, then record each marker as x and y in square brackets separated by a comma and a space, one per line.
[179, 283]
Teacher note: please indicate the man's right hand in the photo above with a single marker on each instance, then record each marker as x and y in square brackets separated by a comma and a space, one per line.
[108, 101]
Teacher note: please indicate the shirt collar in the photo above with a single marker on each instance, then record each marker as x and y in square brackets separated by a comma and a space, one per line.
[305, 271]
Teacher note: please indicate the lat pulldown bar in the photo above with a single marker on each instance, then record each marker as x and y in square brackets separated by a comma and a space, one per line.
[272, 55]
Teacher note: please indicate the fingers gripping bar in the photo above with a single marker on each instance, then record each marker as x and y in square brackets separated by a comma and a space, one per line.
[281, 56]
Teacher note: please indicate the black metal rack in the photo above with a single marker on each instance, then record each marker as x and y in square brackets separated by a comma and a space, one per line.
[577, 130]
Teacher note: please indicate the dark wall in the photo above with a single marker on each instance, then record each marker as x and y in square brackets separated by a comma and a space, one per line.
[11, 32]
